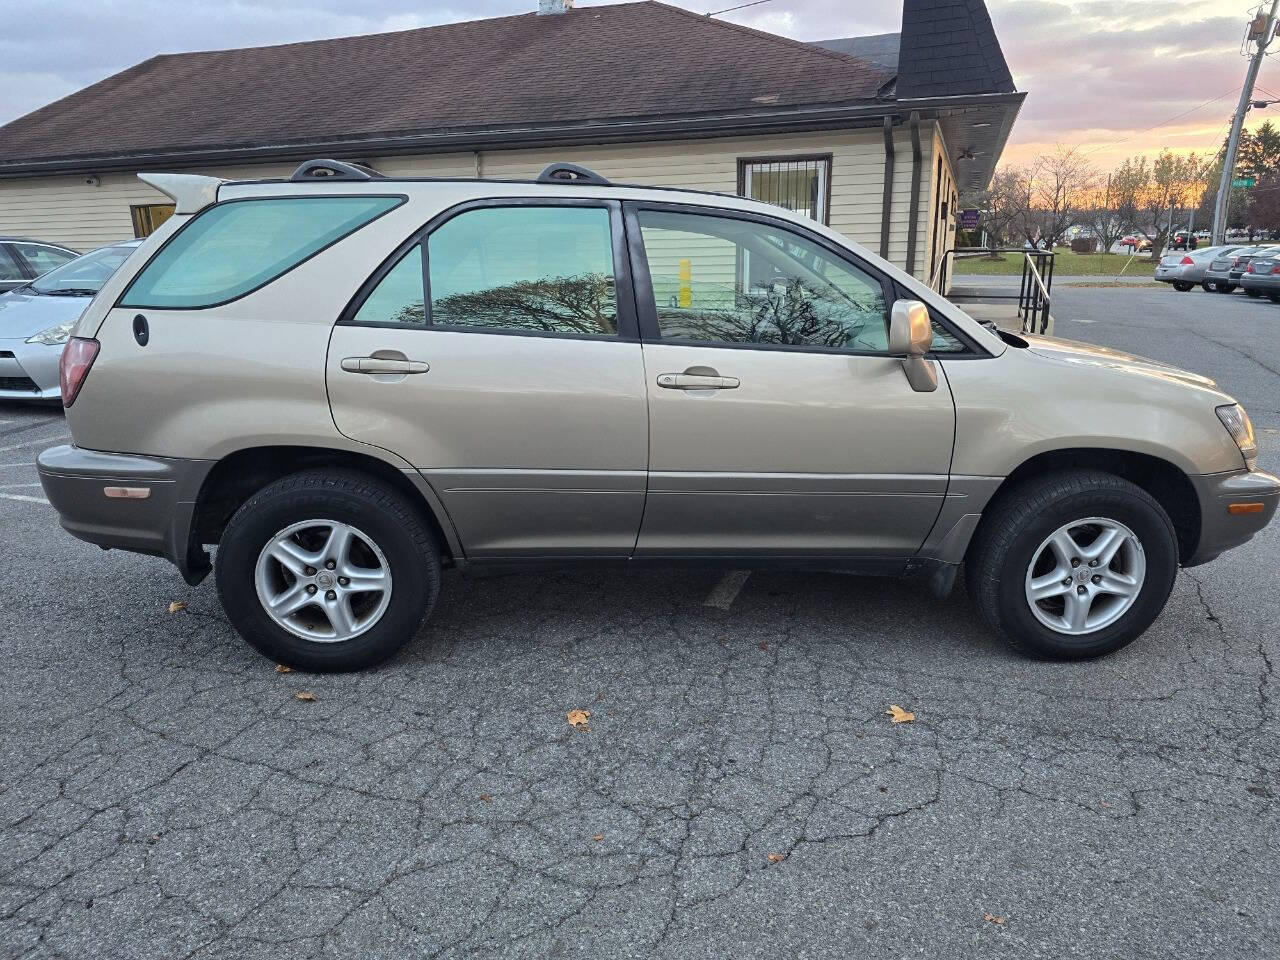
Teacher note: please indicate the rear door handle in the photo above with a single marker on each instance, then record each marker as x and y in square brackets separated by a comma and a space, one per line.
[383, 365]
[696, 381]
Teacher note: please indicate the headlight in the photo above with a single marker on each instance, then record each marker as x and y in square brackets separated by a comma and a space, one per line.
[1240, 427]
[54, 335]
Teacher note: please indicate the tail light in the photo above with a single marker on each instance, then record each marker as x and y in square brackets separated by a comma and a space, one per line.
[1188, 262]
[1249, 268]
[77, 357]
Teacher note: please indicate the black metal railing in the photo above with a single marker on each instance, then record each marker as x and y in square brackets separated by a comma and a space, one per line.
[1033, 289]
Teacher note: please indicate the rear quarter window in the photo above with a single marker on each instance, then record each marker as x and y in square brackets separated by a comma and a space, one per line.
[235, 247]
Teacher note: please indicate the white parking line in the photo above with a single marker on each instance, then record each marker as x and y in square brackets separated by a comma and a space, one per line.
[31, 464]
[32, 443]
[726, 591]
[10, 486]
[23, 498]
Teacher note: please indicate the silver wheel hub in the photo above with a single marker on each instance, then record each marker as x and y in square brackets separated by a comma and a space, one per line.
[323, 580]
[1085, 576]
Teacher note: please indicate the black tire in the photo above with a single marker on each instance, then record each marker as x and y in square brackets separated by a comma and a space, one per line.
[379, 511]
[1019, 522]
[1274, 297]
[1208, 287]
[1226, 288]
[1249, 291]
[1182, 286]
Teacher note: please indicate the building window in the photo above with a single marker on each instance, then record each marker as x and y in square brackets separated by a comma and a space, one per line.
[799, 184]
[147, 217]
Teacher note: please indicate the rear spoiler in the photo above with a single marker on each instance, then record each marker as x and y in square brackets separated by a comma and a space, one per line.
[190, 192]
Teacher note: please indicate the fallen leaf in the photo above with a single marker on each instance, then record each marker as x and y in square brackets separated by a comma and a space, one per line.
[898, 715]
[306, 696]
[485, 798]
[579, 718]
[777, 857]
[598, 838]
[992, 918]
[282, 668]
[764, 646]
[177, 605]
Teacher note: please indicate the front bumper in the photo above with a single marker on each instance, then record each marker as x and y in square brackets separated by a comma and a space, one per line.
[85, 487]
[29, 371]
[1221, 530]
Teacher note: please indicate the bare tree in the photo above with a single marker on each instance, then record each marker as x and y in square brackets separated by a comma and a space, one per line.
[1054, 190]
[1174, 182]
[585, 303]
[1001, 204]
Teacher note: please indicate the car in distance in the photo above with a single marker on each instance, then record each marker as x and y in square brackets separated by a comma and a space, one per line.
[1224, 272]
[1185, 270]
[1135, 242]
[36, 321]
[22, 259]
[352, 382]
[1261, 276]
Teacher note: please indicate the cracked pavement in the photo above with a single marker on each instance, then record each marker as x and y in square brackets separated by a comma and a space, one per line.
[164, 794]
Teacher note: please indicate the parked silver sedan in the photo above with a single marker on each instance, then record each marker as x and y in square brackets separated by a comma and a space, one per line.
[1185, 270]
[36, 320]
[1224, 272]
[1261, 276]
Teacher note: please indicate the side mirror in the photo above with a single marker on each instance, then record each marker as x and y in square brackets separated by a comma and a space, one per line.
[911, 337]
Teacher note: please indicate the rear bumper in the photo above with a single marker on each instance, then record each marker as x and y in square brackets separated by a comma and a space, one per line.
[1220, 530]
[1267, 284]
[1179, 274]
[155, 520]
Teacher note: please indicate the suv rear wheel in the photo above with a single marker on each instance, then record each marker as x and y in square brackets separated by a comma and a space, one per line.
[327, 570]
[1073, 565]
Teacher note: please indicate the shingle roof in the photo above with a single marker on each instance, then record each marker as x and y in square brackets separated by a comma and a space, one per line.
[953, 50]
[880, 50]
[630, 60]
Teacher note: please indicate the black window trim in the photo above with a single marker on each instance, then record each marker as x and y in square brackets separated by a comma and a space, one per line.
[369, 195]
[646, 304]
[628, 331]
[15, 249]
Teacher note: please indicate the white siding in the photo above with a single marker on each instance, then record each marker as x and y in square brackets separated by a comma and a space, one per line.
[67, 210]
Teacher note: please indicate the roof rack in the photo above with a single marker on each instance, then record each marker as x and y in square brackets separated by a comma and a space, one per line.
[570, 173]
[334, 170]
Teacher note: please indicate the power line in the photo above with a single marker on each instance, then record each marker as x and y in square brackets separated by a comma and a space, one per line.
[1162, 123]
[741, 6]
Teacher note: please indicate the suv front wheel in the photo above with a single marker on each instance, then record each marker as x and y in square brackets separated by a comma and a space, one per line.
[1073, 565]
[327, 570]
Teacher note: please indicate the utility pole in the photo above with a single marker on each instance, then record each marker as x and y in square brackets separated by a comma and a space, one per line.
[1263, 40]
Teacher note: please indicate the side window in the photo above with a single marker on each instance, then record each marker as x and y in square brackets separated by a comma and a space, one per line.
[722, 280]
[9, 269]
[43, 259]
[398, 298]
[233, 248]
[547, 269]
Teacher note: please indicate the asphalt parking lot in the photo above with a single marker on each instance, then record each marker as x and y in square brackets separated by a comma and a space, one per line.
[738, 791]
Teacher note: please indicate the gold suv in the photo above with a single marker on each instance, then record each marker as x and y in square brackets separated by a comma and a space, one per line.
[347, 383]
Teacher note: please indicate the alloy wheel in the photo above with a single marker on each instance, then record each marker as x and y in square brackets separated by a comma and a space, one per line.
[323, 580]
[1085, 576]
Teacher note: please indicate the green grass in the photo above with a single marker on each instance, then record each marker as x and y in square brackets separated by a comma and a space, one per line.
[1065, 264]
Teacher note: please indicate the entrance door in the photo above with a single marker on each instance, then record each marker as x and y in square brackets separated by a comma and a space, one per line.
[496, 354]
[779, 424]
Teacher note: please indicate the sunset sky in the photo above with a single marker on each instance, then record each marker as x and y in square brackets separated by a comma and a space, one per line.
[1115, 78]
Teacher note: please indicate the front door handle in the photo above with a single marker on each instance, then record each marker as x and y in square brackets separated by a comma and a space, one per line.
[383, 365]
[696, 381]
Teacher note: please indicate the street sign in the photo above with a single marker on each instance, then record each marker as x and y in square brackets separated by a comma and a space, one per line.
[1243, 182]
[969, 219]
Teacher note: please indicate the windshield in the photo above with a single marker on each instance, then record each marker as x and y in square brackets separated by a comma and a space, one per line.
[83, 275]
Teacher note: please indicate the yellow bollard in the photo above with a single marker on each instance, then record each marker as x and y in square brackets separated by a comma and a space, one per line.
[686, 282]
